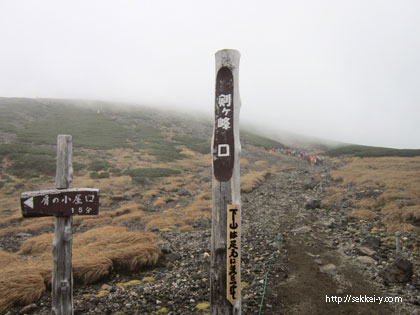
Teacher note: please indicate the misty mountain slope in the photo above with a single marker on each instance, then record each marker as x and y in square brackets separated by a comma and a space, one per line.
[153, 170]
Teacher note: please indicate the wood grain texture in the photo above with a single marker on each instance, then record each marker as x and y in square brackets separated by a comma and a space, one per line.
[224, 193]
[62, 277]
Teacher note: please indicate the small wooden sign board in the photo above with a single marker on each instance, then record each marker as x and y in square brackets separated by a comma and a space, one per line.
[60, 202]
[224, 143]
[233, 253]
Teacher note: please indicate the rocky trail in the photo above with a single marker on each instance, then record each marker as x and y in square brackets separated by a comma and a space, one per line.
[305, 252]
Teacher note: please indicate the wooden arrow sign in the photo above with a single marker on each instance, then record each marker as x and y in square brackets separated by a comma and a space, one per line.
[60, 202]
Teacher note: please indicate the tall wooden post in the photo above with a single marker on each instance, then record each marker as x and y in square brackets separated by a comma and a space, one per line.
[225, 270]
[62, 277]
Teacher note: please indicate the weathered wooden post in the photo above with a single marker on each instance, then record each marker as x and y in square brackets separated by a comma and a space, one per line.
[225, 269]
[62, 276]
[63, 203]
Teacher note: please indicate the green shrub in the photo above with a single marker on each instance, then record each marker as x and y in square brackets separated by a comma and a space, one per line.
[195, 144]
[368, 151]
[88, 129]
[33, 166]
[259, 141]
[99, 165]
[96, 175]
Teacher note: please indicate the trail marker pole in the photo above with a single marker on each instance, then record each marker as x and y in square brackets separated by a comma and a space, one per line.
[62, 202]
[225, 269]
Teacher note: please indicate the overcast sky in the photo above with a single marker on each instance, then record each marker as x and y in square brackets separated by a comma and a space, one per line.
[342, 70]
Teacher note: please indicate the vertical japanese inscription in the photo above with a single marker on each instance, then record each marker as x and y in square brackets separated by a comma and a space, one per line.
[233, 253]
[223, 145]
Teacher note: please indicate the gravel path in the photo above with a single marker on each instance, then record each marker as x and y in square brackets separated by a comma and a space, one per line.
[309, 250]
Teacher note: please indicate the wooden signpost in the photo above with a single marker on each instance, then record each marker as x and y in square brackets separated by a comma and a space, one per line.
[225, 268]
[63, 203]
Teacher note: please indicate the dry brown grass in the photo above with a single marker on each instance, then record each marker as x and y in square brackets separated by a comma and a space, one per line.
[130, 217]
[334, 196]
[95, 221]
[186, 228]
[163, 220]
[367, 215]
[150, 194]
[37, 245]
[29, 226]
[199, 208]
[261, 164]
[95, 253]
[366, 204]
[90, 264]
[206, 195]
[17, 217]
[160, 203]
[399, 177]
[245, 163]
[7, 258]
[19, 287]
[191, 186]
[37, 221]
[173, 184]
[252, 180]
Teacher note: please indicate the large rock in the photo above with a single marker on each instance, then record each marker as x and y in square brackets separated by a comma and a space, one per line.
[400, 271]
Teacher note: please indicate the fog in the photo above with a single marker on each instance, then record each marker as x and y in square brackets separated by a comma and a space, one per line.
[340, 70]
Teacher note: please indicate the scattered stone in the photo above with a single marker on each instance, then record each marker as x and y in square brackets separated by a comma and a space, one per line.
[106, 287]
[184, 192]
[309, 184]
[173, 256]
[366, 260]
[372, 242]
[313, 204]
[318, 261]
[328, 223]
[28, 309]
[23, 235]
[302, 230]
[165, 248]
[366, 251]
[205, 179]
[312, 255]
[329, 269]
[400, 271]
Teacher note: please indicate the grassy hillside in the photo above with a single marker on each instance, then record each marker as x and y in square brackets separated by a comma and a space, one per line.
[29, 130]
[368, 151]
